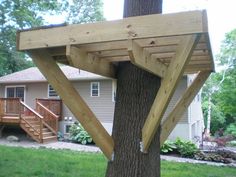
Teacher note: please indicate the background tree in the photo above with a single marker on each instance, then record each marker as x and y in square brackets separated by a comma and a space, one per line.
[136, 91]
[17, 14]
[223, 88]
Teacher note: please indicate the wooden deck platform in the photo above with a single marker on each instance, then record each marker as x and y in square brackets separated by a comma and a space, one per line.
[10, 119]
[42, 126]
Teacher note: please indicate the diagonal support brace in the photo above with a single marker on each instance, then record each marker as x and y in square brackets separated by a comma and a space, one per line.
[89, 62]
[173, 75]
[143, 59]
[73, 100]
[174, 117]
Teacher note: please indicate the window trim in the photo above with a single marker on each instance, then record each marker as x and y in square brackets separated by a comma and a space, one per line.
[14, 86]
[91, 89]
[67, 124]
[54, 90]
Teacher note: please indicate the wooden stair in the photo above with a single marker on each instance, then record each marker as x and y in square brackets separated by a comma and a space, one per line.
[41, 124]
[31, 125]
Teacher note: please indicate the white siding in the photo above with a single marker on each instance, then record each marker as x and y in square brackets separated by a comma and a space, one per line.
[178, 93]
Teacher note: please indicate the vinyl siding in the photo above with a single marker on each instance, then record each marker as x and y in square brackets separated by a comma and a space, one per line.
[102, 106]
[178, 93]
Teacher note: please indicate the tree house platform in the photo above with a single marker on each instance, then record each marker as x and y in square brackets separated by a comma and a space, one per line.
[167, 45]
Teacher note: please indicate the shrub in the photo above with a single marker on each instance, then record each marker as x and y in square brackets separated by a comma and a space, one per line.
[79, 135]
[186, 148]
[232, 143]
[231, 130]
[60, 136]
[168, 146]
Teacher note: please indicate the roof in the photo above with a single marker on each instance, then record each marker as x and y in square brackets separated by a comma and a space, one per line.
[34, 75]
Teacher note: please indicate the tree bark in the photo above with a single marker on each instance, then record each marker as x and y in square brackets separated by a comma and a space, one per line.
[136, 91]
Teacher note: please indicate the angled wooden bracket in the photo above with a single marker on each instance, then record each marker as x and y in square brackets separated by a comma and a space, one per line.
[73, 100]
[175, 115]
[89, 62]
[172, 76]
[143, 59]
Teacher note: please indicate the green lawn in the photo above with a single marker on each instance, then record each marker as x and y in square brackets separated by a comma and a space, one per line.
[21, 162]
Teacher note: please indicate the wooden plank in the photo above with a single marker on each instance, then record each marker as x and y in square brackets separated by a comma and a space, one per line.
[168, 85]
[82, 60]
[143, 59]
[175, 115]
[172, 48]
[190, 70]
[129, 28]
[123, 45]
[73, 100]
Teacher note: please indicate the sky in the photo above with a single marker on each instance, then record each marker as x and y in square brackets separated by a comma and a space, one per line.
[221, 15]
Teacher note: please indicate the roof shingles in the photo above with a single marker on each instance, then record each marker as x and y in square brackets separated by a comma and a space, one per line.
[34, 75]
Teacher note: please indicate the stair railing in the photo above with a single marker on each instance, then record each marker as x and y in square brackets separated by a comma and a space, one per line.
[50, 119]
[28, 111]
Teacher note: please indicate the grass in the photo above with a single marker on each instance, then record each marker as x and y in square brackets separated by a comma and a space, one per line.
[21, 162]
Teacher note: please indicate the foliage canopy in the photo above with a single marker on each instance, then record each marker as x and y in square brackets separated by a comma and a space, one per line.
[221, 87]
[17, 15]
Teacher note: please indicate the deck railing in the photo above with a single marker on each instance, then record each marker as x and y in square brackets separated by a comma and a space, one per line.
[50, 119]
[28, 111]
[9, 107]
[54, 105]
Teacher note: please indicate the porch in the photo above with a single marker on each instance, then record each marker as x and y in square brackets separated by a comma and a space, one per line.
[40, 124]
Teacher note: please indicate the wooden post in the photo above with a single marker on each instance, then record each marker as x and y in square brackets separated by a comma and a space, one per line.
[173, 75]
[73, 100]
[41, 130]
[182, 104]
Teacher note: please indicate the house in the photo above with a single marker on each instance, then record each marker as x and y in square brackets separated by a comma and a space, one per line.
[99, 93]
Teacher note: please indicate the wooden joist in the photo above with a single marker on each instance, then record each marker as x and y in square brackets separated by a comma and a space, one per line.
[144, 60]
[73, 100]
[89, 62]
[173, 75]
[181, 106]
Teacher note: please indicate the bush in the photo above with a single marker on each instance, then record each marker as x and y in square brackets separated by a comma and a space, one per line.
[186, 148]
[79, 135]
[168, 146]
[231, 143]
[231, 130]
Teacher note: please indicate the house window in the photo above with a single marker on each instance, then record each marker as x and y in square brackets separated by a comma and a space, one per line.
[95, 89]
[52, 92]
[15, 92]
[67, 128]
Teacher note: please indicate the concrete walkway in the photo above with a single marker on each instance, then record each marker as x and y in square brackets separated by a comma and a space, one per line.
[84, 148]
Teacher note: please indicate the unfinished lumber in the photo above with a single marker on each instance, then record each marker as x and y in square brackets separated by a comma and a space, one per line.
[173, 75]
[89, 62]
[73, 100]
[181, 106]
[132, 27]
[143, 59]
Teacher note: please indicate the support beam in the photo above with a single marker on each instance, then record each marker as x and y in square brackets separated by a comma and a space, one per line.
[143, 59]
[182, 104]
[173, 75]
[85, 61]
[73, 100]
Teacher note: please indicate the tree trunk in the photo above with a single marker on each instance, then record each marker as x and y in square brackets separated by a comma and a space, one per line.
[136, 91]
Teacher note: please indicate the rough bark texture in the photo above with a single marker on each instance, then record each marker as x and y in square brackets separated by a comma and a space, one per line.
[136, 91]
